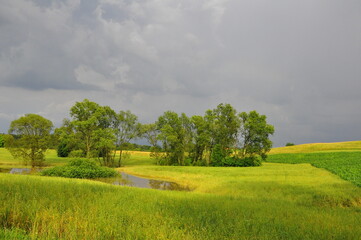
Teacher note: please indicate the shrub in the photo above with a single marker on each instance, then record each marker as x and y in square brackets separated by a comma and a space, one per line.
[289, 144]
[76, 154]
[241, 162]
[63, 150]
[80, 168]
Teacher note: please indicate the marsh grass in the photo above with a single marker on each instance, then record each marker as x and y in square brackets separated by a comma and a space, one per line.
[54, 208]
[275, 201]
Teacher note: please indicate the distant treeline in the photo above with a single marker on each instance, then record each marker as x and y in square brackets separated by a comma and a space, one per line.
[221, 137]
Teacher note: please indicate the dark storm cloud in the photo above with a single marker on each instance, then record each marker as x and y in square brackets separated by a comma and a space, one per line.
[295, 61]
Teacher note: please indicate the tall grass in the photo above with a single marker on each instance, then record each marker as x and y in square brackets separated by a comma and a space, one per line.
[275, 201]
[274, 204]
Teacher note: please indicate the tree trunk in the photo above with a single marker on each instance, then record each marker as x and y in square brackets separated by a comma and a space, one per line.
[120, 157]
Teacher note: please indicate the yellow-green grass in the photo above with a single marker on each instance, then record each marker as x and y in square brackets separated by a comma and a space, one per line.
[275, 201]
[137, 158]
[51, 159]
[340, 158]
[318, 147]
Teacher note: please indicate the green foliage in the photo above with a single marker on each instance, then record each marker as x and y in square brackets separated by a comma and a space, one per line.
[126, 128]
[289, 144]
[347, 165]
[80, 168]
[32, 137]
[63, 150]
[67, 139]
[173, 136]
[209, 140]
[254, 135]
[2, 141]
[234, 161]
[76, 154]
[223, 125]
[218, 155]
[224, 158]
[201, 140]
[104, 146]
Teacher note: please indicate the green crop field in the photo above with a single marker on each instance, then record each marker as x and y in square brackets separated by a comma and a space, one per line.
[319, 147]
[344, 162]
[274, 201]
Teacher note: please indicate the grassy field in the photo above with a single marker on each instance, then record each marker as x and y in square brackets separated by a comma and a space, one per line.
[274, 201]
[7, 161]
[342, 159]
[319, 147]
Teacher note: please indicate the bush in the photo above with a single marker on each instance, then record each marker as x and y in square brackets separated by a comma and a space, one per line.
[63, 150]
[76, 154]
[289, 144]
[80, 168]
[241, 162]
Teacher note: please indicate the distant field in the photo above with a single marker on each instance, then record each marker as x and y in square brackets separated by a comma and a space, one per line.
[51, 159]
[319, 147]
[7, 160]
[342, 159]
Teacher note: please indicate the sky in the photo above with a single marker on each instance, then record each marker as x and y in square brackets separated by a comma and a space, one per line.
[297, 62]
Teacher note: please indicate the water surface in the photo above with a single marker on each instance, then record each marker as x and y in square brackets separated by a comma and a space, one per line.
[123, 180]
[134, 181]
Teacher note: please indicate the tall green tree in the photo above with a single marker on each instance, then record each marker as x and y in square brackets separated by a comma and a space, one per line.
[29, 138]
[150, 132]
[105, 146]
[126, 128]
[223, 124]
[67, 139]
[85, 121]
[174, 137]
[254, 135]
[87, 118]
[201, 138]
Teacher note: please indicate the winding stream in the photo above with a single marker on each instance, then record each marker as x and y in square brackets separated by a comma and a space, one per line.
[123, 180]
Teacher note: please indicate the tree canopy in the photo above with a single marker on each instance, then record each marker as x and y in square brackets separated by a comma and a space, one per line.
[221, 137]
[29, 138]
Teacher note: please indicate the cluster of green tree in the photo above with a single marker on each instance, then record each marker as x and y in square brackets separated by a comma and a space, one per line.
[29, 138]
[222, 137]
[136, 147]
[96, 131]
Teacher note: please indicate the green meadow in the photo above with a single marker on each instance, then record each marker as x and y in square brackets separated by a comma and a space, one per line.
[279, 200]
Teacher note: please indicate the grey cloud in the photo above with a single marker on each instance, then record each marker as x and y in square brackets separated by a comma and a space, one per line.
[295, 61]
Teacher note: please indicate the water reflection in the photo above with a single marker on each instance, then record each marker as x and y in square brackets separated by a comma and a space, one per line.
[20, 171]
[124, 180]
[133, 181]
